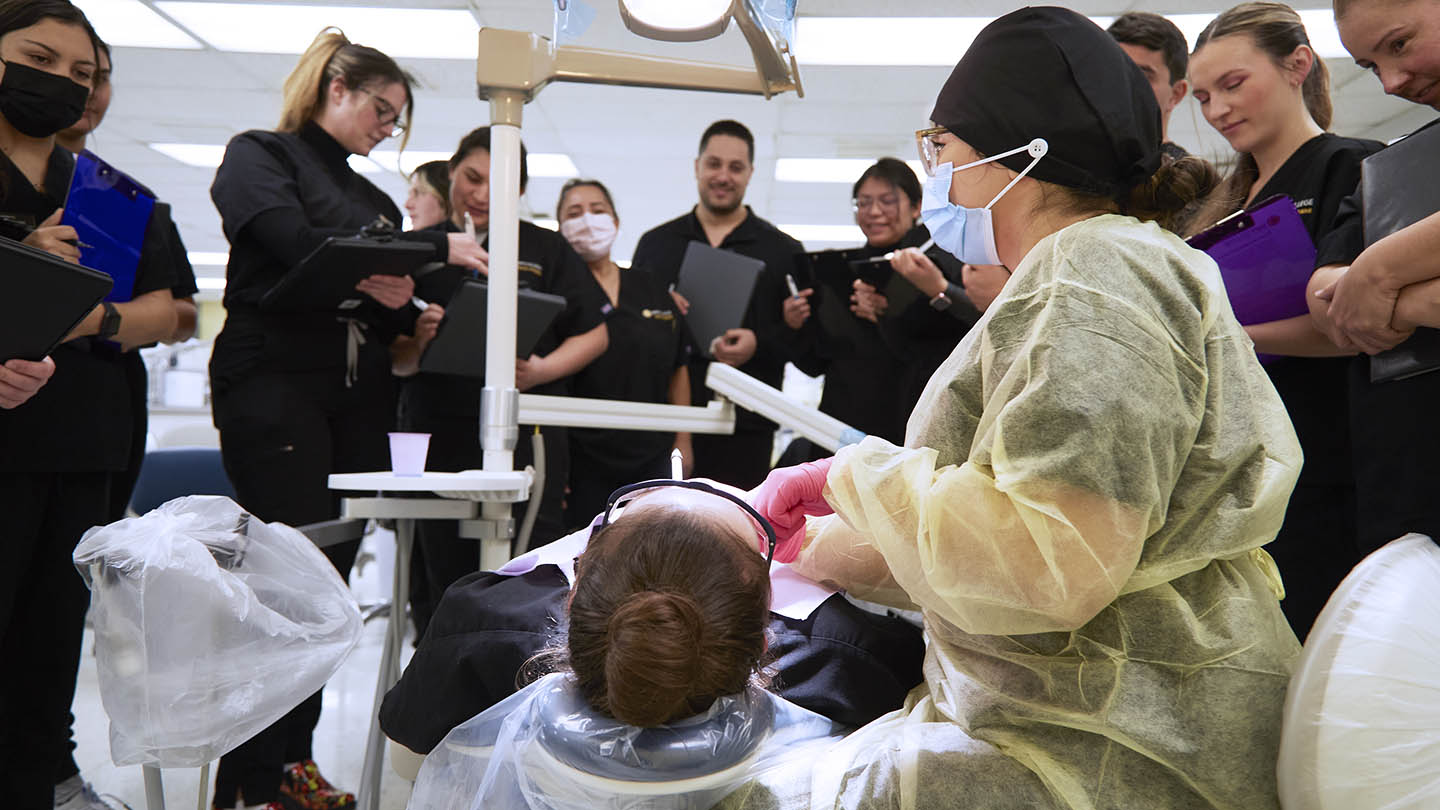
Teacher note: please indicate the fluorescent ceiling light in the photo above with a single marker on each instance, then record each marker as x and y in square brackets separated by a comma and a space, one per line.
[407, 161]
[210, 283]
[825, 233]
[132, 24]
[204, 155]
[541, 164]
[200, 258]
[548, 223]
[209, 155]
[416, 33]
[941, 41]
[828, 170]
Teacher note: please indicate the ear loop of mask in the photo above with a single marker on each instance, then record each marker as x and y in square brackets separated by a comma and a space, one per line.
[1036, 148]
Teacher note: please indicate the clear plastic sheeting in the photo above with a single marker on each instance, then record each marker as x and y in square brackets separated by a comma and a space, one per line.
[209, 626]
[545, 748]
[1362, 718]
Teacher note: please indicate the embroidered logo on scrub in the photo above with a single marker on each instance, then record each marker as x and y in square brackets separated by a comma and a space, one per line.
[530, 267]
[658, 314]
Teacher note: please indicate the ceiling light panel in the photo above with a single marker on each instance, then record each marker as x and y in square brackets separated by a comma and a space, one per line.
[850, 234]
[413, 33]
[132, 24]
[941, 41]
[828, 170]
[203, 155]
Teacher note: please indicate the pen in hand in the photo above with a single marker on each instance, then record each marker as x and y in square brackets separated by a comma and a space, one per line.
[790, 282]
[469, 225]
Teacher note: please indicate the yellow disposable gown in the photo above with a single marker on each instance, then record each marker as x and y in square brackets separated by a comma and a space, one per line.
[1079, 513]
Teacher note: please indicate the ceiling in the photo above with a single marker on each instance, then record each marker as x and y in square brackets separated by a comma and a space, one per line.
[639, 142]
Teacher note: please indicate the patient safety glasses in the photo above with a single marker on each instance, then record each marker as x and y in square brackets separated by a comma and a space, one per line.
[629, 491]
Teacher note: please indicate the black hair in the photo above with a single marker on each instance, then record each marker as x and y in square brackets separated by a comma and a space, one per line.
[18, 14]
[1156, 33]
[480, 139]
[734, 129]
[895, 172]
[577, 182]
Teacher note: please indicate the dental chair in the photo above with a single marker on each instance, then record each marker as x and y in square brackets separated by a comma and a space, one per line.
[1362, 715]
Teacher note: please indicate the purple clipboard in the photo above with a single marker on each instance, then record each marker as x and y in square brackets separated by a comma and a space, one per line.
[1266, 258]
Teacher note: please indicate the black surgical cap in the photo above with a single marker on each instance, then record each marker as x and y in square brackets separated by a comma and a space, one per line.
[1047, 72]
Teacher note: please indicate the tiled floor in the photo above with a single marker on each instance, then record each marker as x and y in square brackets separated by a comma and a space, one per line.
[339, 740]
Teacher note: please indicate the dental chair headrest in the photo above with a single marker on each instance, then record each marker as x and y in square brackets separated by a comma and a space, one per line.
[724, 736]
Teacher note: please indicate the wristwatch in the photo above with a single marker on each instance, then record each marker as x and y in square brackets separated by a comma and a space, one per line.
[941, 302]
[109, 322]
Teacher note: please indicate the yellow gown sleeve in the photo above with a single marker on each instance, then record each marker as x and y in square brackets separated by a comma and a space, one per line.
[1085, 416]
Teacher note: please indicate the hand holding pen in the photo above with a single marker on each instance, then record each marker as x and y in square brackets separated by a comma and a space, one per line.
[796, 308]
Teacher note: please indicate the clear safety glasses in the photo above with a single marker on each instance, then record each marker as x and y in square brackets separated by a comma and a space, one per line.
[929, 149]
[626, 493]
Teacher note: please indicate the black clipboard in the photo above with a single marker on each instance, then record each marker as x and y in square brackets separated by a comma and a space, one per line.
[1396, 189]
[459, 345]
[718, 284]
[326, 279]
[45, 297]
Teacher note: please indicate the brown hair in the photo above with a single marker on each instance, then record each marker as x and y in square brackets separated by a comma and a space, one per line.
[668, 613]
[577, 182]
[331, 56]
[1277, 30]
[1168, 197]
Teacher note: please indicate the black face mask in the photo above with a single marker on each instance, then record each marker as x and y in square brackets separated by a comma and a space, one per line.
[40, 104]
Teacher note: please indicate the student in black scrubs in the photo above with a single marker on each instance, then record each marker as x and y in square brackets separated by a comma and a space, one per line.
[645, 362]
[59, 450]
[299, 396]
[448, 406]
[1383, 292]
[763, 343]
[162, 255]
[875, 370]
[1261, 85]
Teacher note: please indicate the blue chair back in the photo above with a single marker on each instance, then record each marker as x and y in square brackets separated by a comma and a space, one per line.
[171, 472]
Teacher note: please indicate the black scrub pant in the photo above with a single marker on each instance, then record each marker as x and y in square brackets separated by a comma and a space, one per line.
[42, 618]
[1397, 455]
[593, 476]
[740, 460]
[445, 554]
[281, 435]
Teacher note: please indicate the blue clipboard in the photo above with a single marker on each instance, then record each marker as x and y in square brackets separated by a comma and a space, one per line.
[110, 213]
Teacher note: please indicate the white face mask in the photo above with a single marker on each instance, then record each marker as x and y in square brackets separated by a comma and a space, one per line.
[590, 234]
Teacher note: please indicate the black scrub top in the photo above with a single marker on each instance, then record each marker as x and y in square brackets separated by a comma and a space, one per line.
[647, 345]
[662, 249]
[280, 195]
[921, 335]
[1393, 426]
[447, 405]
[81, 421]
[1318, 176]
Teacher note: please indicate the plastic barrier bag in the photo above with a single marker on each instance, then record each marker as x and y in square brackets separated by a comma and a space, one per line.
[209, 626]
[544, 748]
[1362, 717]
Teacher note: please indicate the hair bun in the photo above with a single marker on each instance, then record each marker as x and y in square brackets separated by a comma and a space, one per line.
[654, 654]
[1175, 188]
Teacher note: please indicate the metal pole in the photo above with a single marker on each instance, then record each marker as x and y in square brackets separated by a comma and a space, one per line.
[499, 401]
[154, 788]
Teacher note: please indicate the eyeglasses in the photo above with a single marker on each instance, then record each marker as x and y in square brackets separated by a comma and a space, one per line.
[929, 149]
[889, 204]
[386, 114]
[620, 494]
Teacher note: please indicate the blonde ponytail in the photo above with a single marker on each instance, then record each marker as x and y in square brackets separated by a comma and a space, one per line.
[332, 56]
[304, 88]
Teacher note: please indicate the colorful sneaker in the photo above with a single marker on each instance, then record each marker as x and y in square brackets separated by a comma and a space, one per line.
[303, 788]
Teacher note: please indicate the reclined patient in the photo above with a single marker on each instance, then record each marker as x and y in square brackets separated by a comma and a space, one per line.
[658, 610]
[660, 689]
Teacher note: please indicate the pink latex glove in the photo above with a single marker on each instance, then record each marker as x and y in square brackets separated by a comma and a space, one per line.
[786, 497]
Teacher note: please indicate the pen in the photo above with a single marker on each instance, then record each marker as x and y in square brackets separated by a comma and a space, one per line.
[82, 245]
[677, 465]
[929, 243]
[419, 302]
[469, 226]
[790, 282]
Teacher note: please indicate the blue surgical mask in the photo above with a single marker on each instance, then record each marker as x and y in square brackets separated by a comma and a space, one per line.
[968, 234]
